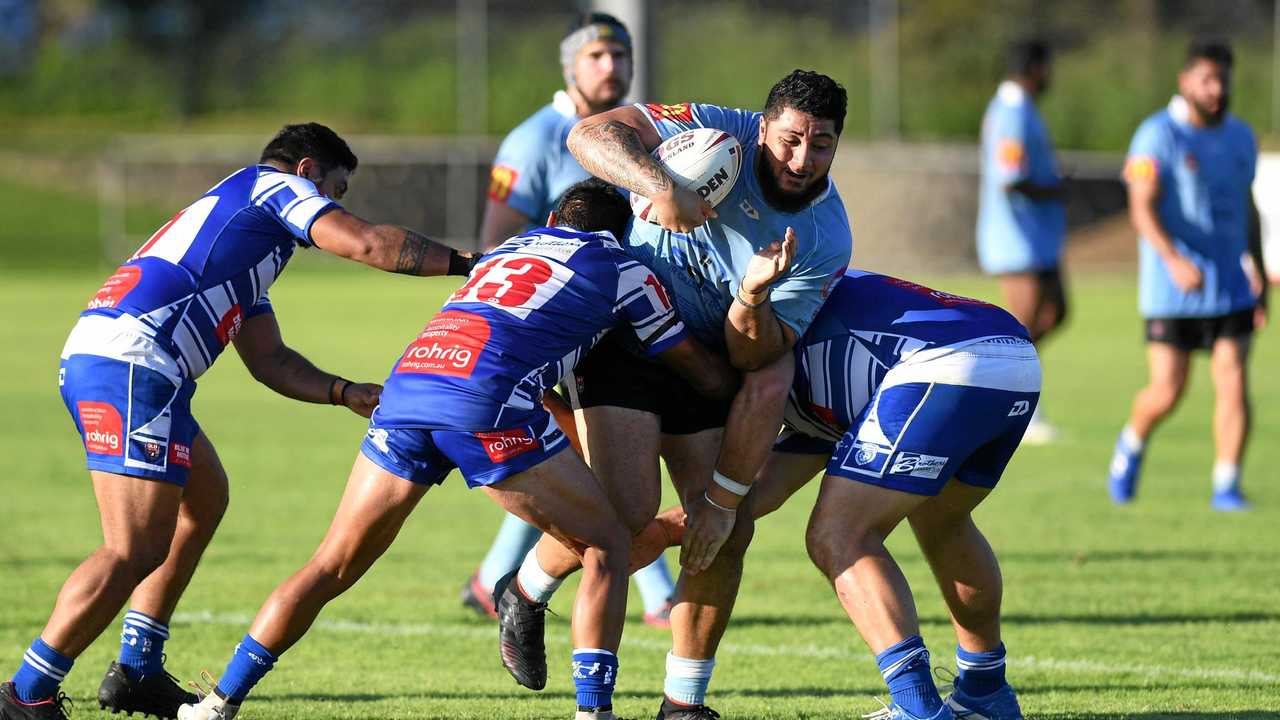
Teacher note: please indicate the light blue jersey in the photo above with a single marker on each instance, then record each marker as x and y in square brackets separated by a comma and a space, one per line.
[1016, 233]
[702, 268]
[533, 167]
[1204, 176]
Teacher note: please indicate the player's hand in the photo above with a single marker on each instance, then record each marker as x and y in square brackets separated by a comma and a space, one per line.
[769, 263]
[708, 527]
[681, 209]
[1259, 317]
[362, 398]
[1186, 275]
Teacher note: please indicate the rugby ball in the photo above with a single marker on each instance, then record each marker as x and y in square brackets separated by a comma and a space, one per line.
[704, 160]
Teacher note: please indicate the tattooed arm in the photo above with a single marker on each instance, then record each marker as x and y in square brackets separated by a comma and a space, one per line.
[386, 247]
[614, 146]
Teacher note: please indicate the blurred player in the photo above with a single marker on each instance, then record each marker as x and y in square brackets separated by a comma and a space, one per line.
[914, 400]
[1189, 170]
[784, 220]
[128, 374]
[532, 169]
[467, 394]
[1021, 217]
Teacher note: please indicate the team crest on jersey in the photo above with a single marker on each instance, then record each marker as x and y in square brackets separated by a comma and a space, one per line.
[681, 112]
[749, 211]
[501, 180]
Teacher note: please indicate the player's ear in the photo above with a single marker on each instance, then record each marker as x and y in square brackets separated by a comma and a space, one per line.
[762, 132]
[306, 166]
[551, 219]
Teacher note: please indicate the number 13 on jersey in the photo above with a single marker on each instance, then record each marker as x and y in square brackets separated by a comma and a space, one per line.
[516, 283]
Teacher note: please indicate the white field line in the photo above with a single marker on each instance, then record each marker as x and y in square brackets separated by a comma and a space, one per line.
[806, 651]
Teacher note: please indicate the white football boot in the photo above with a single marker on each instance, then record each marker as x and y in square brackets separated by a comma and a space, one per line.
[211, 707]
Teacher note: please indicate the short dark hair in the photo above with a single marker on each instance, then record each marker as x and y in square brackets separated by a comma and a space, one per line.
[1218, 51]
[809, 92]
[310, 140]
[582, 20]
[1027, 53]
[594, 205]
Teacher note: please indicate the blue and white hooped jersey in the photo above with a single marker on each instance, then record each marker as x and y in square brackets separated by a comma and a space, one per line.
[534, 167]
[529, 311]
[190, 287]
[703, 267]
[1204, 176]
[1016, 233]
[871, 324]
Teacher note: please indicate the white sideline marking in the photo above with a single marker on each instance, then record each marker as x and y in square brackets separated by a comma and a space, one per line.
[808, 651]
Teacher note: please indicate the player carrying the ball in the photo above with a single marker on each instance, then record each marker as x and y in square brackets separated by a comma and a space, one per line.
[783, 210]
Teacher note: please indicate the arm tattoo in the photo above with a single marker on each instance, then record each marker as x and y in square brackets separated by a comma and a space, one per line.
[413, 253]
[612, 151]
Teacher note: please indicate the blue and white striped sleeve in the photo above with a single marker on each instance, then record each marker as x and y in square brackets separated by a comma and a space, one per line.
[293, 201]
[645, 304]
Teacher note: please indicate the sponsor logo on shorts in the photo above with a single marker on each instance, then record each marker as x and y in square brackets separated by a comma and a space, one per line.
[378, 437]
[449, 345]
[230, 324]
[152, 450]
[680, 112]
[1021, 407]
[918, 465]
[502, 445]
[867, 458]
[501, 180]
[103, 429]
[121, 282]
[180, 454]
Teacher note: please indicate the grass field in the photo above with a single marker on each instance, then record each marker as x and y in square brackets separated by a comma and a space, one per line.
[1162, 609]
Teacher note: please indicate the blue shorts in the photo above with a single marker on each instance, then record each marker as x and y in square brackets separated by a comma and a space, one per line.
[916, 436]
[427, 456]
[133, 420]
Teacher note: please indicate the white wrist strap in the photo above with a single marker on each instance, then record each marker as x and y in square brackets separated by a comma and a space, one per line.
[736, 488]
[717, 505]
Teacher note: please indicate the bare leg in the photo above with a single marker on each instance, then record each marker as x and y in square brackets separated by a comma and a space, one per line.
[1168, 368]
[373, 508]
[204, 500]
[562, 498]
[963, 564]
[1038, 304]
[846, 541]
[1231, 410]
[138, 520]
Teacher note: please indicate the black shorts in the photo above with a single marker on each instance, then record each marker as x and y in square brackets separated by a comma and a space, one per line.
[1199, 333]
[614, 376]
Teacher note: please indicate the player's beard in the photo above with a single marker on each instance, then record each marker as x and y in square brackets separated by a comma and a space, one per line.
[1212, 118]
[780, 199]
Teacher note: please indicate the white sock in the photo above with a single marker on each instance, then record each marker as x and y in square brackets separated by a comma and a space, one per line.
[534, 581]
[1131, 441]
[1226, 476]
[687, 679]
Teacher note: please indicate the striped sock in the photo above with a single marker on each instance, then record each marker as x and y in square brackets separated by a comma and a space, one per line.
[905, 667]
[981, 673]
[42, 671]
[142, 644]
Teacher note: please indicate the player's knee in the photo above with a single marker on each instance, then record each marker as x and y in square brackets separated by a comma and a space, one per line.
[744, 530]
[766, 387]
[1164, 395]
[637, 516]
[138, 561]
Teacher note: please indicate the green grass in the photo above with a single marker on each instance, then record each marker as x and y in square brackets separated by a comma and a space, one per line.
[1162, 609]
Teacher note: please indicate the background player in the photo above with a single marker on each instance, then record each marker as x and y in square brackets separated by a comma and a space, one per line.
[532, 169]
[1190, 168]
[466, 394]
[631, 410]
[128, 375]
[1021, 218]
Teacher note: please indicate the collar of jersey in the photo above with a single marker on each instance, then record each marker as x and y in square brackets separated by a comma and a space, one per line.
[564, 104]
[1011, 93]
[1179, 110]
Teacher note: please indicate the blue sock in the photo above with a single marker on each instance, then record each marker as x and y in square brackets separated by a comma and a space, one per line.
[655, 584]
[42, 671]
[981, 673]
[515, 538]
[250, 664]
[594, 674]
[687, 679]
[905, 668]
[142, 644]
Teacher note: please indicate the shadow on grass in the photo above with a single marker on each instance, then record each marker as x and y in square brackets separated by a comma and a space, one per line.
[1104, 619]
